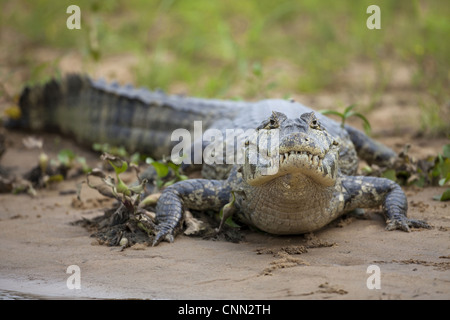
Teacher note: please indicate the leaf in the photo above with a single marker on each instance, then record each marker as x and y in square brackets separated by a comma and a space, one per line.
[118, 164]
[66, 156]
[135, 158]
[336, 113]
[121, 187]
[445, 168]
[176, 169]
[229, 221]
[169, 183]
[420, 182]
[109, 181]
[83, 163]
[348, 110]
[446, 151]
[150, 200]
[173, 166]
[99, 147]
[443, 181]
[161, 169]
[97, 173]
[367, 127]
[118, 169]
[367, 170]
[389, 174]
[444, 196]
[121, 151]
[55, 178]
[139, 188]
[13, 112]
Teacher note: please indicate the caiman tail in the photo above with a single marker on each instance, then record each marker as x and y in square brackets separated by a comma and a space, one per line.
[94, 111]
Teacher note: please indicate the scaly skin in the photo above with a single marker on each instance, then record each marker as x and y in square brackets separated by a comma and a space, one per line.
[311, 179]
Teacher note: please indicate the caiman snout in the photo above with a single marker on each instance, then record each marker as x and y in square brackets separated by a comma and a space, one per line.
[299, 141]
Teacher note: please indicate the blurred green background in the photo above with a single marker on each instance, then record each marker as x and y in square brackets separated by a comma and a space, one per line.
[243, 49]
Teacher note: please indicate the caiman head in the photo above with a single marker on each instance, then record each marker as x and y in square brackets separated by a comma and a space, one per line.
[283, 146]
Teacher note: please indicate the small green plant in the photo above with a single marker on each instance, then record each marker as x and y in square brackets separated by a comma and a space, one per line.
[129, 196]
[121, 152]
[51, 170]
[130, 209]
[226, 213]
[162, 169]
[441, 171]
[445, 196]
[68, 159]
[112, 150]
[407, 171]
[348, 112]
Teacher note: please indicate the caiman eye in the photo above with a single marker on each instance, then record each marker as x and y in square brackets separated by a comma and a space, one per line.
[315, 124]
[272, 124]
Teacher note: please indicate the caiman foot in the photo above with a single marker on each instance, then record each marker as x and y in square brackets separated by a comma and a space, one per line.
[404, 224]
[163, 235]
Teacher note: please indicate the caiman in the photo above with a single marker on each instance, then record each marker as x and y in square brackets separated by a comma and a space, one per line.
[315, 158]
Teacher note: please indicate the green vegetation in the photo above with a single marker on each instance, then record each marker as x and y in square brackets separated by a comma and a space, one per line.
[441, 172]
[163, 168]
[219, 48]
[407, 171]
[113, 150]
[130, 196]
[347, 113]
[47, 171]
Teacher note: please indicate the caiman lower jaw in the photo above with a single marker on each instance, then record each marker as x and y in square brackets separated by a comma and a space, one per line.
[322, 170]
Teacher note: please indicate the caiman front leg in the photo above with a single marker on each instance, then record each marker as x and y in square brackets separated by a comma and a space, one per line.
[369, 192]
[197, 194]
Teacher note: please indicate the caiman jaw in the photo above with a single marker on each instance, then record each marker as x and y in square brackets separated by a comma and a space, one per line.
[291, 156]
[322, 168]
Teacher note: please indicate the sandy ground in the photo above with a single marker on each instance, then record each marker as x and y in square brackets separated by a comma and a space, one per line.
[39, 243]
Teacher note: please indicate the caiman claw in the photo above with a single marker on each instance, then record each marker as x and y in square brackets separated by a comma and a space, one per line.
[404, 224]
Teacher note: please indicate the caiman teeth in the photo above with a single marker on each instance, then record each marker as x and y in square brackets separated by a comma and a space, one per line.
[316, 160]
[313, 159]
